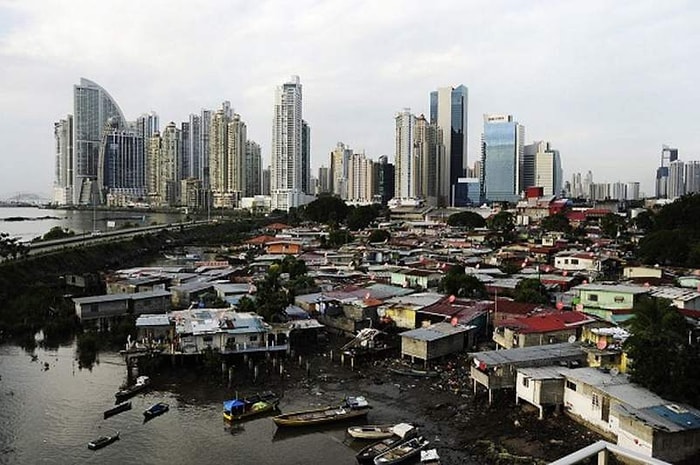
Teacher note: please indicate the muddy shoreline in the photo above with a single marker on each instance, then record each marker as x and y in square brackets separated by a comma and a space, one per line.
[464, 428]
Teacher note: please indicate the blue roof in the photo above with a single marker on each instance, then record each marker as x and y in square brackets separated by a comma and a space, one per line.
[685, 418]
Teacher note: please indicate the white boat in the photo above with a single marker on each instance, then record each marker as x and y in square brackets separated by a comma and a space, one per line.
[371, 431]
[429, 457]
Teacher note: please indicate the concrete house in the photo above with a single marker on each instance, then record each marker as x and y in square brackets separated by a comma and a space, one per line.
[540, 329]
[577, 261]
[433, 341]
[402, 310]
[415, 278]
[609, 302]
[105, 309]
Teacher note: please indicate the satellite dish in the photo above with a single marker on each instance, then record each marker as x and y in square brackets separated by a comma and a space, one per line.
[614, 371]
[572, 339]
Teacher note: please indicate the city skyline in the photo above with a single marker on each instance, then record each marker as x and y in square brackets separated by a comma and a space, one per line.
[607, 88]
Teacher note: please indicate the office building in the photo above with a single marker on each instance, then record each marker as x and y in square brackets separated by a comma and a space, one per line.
[668, 156]
[542, 168]
[253, 170]
[502, 158]
[385, 178]
[306, 158]
[339, 160]
[632, 191]
[92, 107]
[324, 182]
[425, 147]
[448, 112]
[227, 141]
[286, 157]
[121, 177]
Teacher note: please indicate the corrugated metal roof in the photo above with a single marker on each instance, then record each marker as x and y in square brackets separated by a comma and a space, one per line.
[117, 297]
[435, 332]
[551, 352]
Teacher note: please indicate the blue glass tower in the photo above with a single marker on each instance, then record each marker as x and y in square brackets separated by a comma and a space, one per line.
[502, 158]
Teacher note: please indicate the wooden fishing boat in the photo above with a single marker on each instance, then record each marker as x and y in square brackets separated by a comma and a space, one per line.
[375, 432]
[242, 409]
[142, 383]
[352, 407]
[402, 452]
[103, 441]
[413, 372]
[155, 410]
[402, 433]
[118, 409]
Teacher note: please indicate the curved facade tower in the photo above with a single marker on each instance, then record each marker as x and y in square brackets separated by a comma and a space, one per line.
[92, 108]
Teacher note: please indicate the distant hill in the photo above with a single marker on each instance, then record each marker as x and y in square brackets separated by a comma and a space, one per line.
[23, 198]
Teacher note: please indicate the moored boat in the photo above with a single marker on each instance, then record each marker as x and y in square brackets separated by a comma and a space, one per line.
[402, 452]
[375, 432]
[242, 409]
[123, 407]
[155, 410]
[403, 432]
[103, 441]
[352, 407]
[142, 383]
[413, 372]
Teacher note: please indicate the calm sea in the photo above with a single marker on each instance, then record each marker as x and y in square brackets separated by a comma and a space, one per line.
[38, 221]
[49, 416]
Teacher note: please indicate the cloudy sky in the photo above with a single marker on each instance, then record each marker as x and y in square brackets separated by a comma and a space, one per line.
[606, 82]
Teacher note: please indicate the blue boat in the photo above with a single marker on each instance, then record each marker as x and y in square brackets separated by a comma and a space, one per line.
[155, 410]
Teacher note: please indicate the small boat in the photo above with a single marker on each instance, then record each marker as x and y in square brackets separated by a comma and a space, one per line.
[123, 407]
[352, 407]
[103, 441]
[402, 452]
[155, 410]
[402, 433]
[142, 383]
[429, 457]
[414, 372]
[242, 409]
[375, 432]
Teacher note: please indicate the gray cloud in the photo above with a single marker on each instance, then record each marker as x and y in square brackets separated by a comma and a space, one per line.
[606, 83]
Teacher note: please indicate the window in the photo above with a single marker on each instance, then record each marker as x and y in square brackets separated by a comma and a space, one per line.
[94, 308]
[619, 299]
[570, 385]
[526, 382]
[207, 339]
[595, 401]
[574, 261]
[253, 338]
[593, 297]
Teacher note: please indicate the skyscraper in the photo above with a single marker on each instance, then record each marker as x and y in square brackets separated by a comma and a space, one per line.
[286, 157]
[340, 158]
[385, 179]
[426, 174]
[542, 168]
[676, 179]
[668, 155]
[405, 169]
[227, 157]
[92, 107]
[692, 177]
[63, 173]
[253, 169]
[121, 176]
[306, 158]
[162, 176]
[502, 158]
[448, 110]
[360, 170]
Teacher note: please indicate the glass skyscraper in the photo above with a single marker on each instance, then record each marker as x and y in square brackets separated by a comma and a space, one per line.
[502, 158]
[448, 111]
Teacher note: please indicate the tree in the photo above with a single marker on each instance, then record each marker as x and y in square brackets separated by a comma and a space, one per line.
[271, 298]
[532, 291]
[502, 221]
[379, 235]
[469, 220]
[665, 247]
[458, 284]
[644, 221]
[338, 237]
[611, 225]
[361, 217]
[557, 222]
[293, 266]
[326, 209]
[662, 358]
[11, 247]
[57, 232]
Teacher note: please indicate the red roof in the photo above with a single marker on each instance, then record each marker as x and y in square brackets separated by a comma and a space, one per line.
[510, 307]
[464, 309]
[547, 322]
[259, 240]
[277, 226]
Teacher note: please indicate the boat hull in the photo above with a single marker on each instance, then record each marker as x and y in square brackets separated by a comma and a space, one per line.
[155, 410]
[118, 409]
[102, 441]
[228, 416]
[402, 452]
[319, 416]
[375, 432]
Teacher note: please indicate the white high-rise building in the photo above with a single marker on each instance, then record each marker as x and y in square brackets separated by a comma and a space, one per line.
[63, 180]
[676, 179]
[692, 177]
[632, 191]
[253, 169]
[340, 157]
[286, 186]
[360, 178]
[405, 170]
